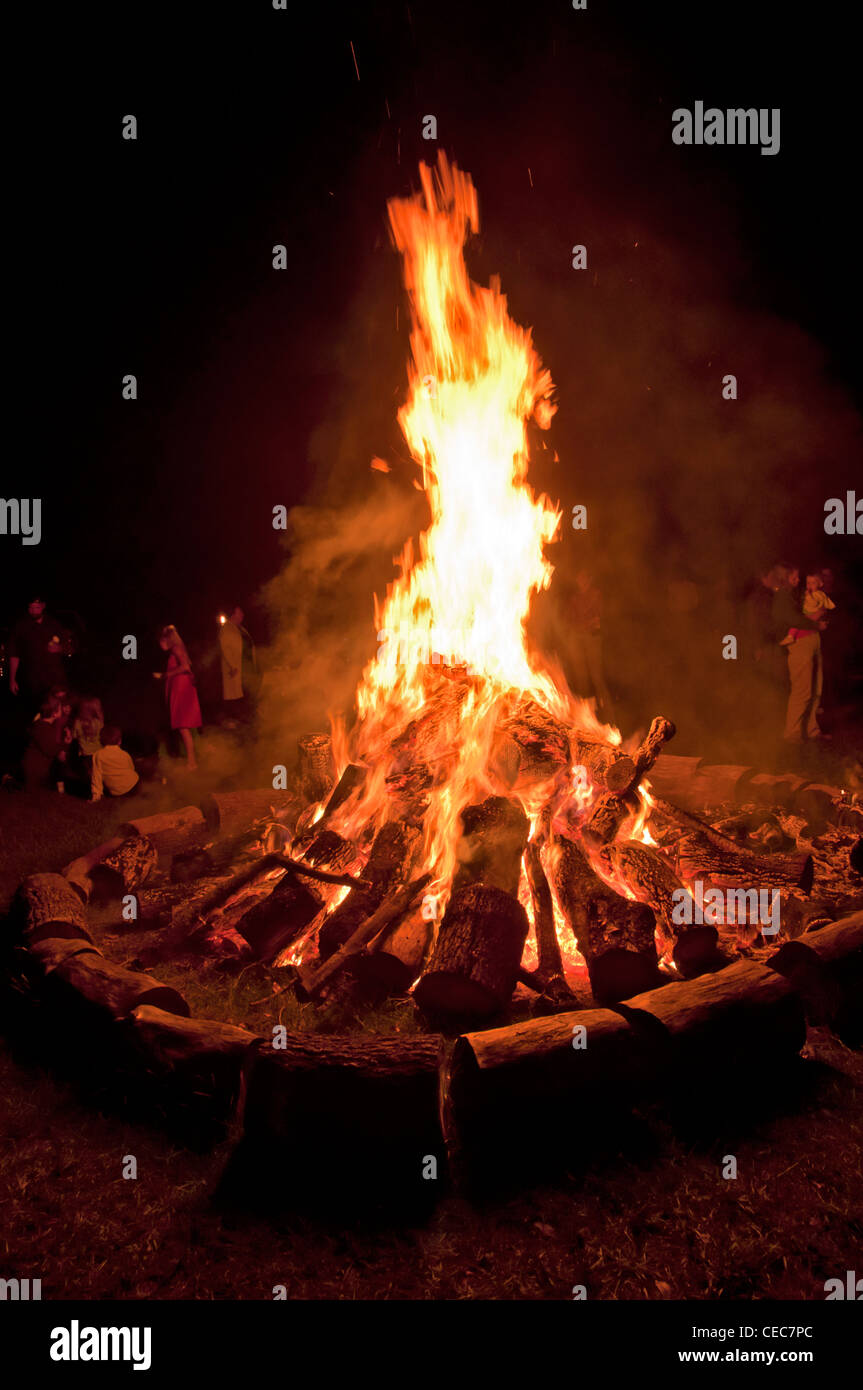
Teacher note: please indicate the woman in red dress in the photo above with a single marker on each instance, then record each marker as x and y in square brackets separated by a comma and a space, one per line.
[180, 692]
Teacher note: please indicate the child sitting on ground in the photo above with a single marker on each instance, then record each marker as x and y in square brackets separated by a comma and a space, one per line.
[45, 755]
[113, 770]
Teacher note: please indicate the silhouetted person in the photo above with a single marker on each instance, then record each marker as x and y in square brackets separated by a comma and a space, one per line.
[36, 655]
[799, 635]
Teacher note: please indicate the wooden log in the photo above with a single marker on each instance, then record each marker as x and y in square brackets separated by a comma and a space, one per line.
[316, 770]
[396, 957]
[312, 983]
[389, 865]
[49, 952]
[46, 906]
[699, 857]
[619, 947]
[609, 766]
[709, 1026]
[170, 831]
[125, 869]
[78, 872]
[324, 849]
[574, 882]
[200, 1053]
[350, 781]
[649, 876]
[550, 961]
[105, 991]
[529, 746]
[235, 813]
[277, 920]
[474, 966]
[493, 837]
[770, 790]
[513, 1095]
[188, 865]
[660, 731]
[346, 1117]
[672, 777]
[606, 817]
[825, 967]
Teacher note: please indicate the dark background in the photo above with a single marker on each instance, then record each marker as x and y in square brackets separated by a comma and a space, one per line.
[259, 387]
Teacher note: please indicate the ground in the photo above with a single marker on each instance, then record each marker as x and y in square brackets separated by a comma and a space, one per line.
[650, 1217]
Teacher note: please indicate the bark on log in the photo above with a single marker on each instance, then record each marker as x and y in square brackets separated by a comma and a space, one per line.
[606, 817]
[350, 781]
[719, 1022]
[574, 883]
[389, 865]
[51, 951]
[235, 813]
[619, 947]
[124, 870]
[315, 767]
[550, 961]
[660, 731]
[324, 849]
[78, 872]
[109, 991]
[529, 746]
[47, 906]
[201, 1053]
[474, 966]
[825, 967]
[650, 877]
[609, 766]
[396, 957]
[274, 923]
[342, 1114]
[312, 983]
[170, 831]
[493, 837]
[698, 857]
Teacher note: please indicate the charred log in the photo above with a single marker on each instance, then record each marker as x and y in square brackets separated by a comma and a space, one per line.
[474, 966]
[124, 870]
[389, 865]
[493, 837]
[275, 922]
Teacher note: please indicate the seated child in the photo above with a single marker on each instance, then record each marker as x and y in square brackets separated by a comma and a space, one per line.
[89, 723]
[113, 770]
[45, 754]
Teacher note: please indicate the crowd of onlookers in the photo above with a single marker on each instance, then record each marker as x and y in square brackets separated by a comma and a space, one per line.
[69, 744]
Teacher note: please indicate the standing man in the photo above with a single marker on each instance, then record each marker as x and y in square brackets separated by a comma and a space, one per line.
[238, 663]
[36, 655]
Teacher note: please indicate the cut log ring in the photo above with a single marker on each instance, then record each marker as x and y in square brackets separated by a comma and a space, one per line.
[47, 906]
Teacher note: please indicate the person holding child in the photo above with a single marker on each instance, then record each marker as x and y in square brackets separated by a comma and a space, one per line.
[799, 634]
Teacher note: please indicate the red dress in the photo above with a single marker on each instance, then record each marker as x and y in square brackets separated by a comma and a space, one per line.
[182, 697]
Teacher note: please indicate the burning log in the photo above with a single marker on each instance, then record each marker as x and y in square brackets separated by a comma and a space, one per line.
[609, 766]
[313, 984]
[619, 947]
[78, 872]
[107, 991]
[474, 966]
[350, 781]
[324, 849]
[124, 870]
[700, 857]
[551, 981]
[825, 967]
[493, 838]
[529, 747]
[605, 819]
[340, 1119]
[316, 770]
[389, 863]
[274, 923]
[395, 958]
[660, 731]
[616, 940]
[234, 813]
[170, 831]
[46, 906]
[649, 876]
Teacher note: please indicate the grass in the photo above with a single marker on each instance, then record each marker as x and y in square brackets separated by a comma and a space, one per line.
[649, 1216]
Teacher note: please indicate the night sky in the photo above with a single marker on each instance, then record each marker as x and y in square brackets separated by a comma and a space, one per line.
[259, 387]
